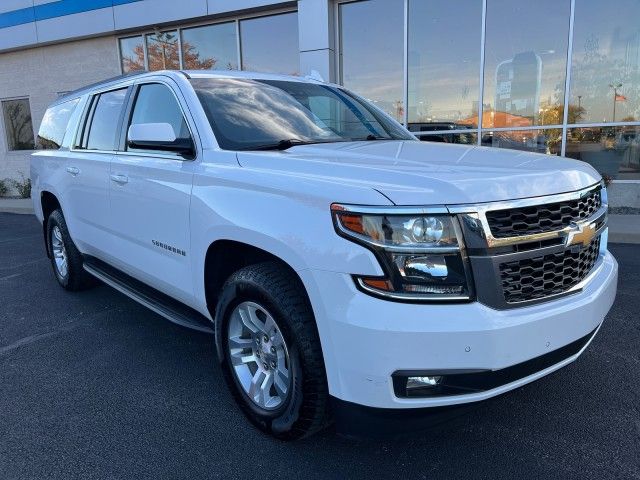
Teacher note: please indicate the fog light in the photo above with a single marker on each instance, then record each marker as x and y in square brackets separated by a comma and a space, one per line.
[422, 382]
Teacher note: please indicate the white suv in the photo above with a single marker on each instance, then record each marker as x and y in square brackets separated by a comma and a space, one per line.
[348, 270]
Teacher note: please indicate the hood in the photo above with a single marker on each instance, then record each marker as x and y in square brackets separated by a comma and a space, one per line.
[422, 173]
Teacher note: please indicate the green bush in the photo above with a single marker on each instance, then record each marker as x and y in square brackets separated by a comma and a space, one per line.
[3, 188]
[23, 186]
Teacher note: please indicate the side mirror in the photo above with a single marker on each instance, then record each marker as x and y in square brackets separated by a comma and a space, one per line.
[158, 136]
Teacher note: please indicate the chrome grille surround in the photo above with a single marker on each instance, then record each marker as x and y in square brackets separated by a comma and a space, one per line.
[492, 256]
[543, 218]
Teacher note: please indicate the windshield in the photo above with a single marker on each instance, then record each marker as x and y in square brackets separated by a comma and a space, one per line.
[262, 114]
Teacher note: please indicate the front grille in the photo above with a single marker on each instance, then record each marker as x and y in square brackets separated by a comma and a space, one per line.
[513, 222]
[543, 276]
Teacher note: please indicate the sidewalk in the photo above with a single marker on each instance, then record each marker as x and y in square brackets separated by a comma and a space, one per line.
[16, 205]
[622, 228]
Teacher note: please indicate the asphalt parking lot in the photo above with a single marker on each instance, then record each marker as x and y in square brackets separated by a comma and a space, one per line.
[92, 385]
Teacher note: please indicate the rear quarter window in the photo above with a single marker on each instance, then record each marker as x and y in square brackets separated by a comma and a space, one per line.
[54, 125]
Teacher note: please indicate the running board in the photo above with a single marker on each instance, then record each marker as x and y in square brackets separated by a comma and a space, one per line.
[151, 298]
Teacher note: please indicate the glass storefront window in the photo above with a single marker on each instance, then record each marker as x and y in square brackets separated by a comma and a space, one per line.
[613, 151]
[270, 44]
[212, 47]
[162, 51]
[605, 77]
[444, 61]
[525, 60]
[548, 141]
[132, 54]
[371, 48]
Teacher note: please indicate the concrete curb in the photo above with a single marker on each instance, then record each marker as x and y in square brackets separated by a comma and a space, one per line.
[22, 206]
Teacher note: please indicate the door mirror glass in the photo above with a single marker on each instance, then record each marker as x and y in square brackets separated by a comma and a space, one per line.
[158, 136]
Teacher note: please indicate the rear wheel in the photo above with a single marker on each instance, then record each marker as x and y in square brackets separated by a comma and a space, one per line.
[270, 352]
[66, 260]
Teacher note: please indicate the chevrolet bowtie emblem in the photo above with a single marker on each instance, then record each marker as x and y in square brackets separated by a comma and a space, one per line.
[583, 234]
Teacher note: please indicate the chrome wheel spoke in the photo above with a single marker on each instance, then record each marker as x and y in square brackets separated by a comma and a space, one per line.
[57, 234]
[241, 358]
[239, 342]
[250, 319]
[256, 384]
[281, 382]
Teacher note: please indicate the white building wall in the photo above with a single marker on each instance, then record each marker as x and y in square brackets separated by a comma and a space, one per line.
[40, 74]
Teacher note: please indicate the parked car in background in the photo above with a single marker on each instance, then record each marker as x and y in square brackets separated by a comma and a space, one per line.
[347, 270]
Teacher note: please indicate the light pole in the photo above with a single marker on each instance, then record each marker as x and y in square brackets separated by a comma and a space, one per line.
[615, 87]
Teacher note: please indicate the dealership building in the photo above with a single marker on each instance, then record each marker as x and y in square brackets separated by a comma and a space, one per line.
[560, 77]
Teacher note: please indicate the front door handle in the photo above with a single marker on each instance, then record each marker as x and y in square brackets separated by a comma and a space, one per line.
[119, 179]
[73, 170]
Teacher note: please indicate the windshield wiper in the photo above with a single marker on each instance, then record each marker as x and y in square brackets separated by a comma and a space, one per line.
[282, 144]
[376, 137]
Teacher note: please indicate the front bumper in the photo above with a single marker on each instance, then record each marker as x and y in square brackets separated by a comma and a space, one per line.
[366, 339]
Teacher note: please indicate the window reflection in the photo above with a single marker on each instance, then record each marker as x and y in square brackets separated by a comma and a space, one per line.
[212, 47]
[548, 141]
[613, 151]
[162, 51]
[605, 78]
[444, 60]
[525, 60]
[270, 44]
[17, 124]
[131, 54]
[466, 138]
[371, 46]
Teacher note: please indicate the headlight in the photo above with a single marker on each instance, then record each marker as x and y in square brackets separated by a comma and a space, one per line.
[421, 252]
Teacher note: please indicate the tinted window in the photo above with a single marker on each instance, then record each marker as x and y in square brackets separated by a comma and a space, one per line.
[17, 124]
[156, 103]
[605, 81]
[131, 54]
[270, 44]
[371, 46]
[213, 47]
[54, 125]
[444, 61]
[162, 51]
[525, 62]
[249, 114]
[102, 134]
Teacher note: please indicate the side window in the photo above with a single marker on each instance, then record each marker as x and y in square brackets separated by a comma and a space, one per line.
[155, 103]
[54, 125]
[104, 122]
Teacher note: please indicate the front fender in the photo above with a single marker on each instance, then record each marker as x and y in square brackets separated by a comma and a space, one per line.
[289, 218]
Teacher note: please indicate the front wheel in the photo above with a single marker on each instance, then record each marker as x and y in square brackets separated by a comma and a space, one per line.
[270, 352]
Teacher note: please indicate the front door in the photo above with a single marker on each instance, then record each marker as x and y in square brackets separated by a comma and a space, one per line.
[150, 197]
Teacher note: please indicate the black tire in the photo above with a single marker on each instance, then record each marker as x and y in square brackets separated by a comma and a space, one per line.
[76, 278]
[280, 291]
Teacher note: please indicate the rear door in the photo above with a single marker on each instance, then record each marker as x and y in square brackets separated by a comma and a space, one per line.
[86, 195]
[151, 194]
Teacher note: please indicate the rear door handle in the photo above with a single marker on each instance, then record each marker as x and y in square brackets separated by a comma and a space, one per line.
[73, 170]
[119, 179]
